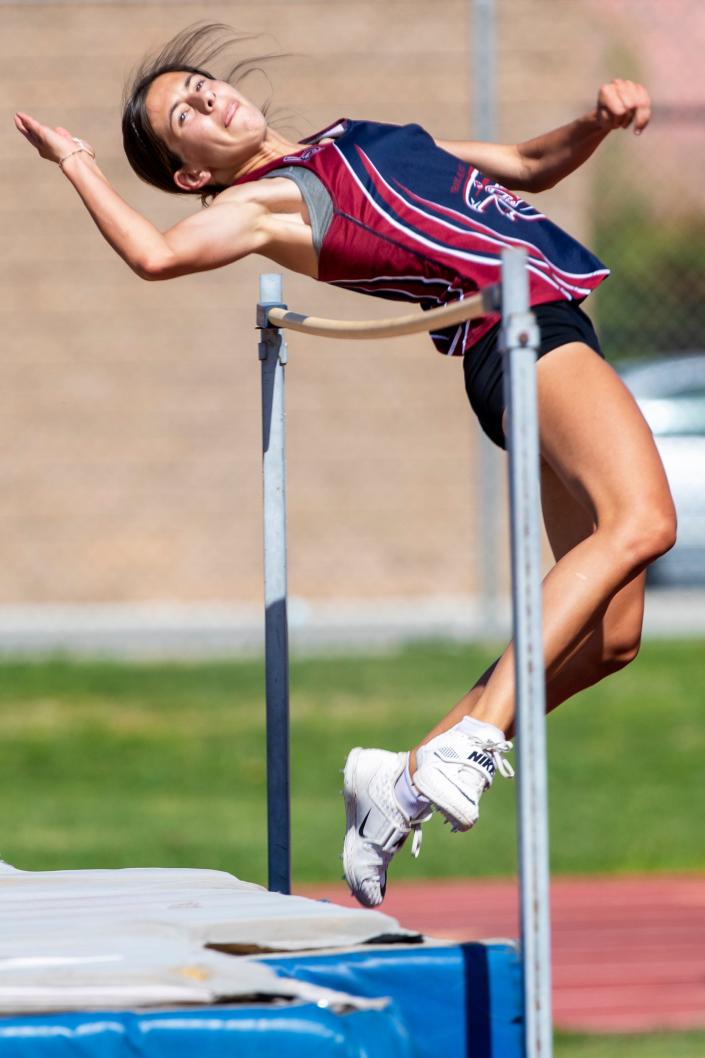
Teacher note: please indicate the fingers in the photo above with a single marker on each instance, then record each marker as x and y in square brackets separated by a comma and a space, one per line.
[28, 127]
[25, 121]
[642, 112]
[623, 103]
[51, 143]
[24, 124]
[21, 122]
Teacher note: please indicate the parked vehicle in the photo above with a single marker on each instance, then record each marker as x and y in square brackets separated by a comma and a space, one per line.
[670, 391]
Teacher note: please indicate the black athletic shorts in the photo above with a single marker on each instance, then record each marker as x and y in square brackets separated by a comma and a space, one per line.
[559, 322]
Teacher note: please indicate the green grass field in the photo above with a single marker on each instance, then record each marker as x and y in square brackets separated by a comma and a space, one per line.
[655, 1045]
[111, 765]
[115, 764]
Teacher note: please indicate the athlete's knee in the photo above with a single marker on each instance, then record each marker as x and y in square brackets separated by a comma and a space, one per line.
[652, 541]
[643, 534]
[658, 536]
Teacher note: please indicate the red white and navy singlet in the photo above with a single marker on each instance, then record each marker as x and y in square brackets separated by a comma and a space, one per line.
[412, 222]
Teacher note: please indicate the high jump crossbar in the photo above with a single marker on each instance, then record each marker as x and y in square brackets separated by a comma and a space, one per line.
[486, 301]
[519, 342]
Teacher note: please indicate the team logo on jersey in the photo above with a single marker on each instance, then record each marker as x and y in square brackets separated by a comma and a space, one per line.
[482, 195]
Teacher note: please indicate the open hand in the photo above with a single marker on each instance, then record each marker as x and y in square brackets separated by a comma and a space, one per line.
[52, 144]
[623, 103]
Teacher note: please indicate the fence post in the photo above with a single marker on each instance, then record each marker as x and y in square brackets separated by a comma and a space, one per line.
[273, 355]
[519, 343]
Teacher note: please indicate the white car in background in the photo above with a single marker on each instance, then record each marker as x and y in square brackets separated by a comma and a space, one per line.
[670, 391]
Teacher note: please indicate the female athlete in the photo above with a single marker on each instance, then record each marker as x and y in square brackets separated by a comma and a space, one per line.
[393, 212]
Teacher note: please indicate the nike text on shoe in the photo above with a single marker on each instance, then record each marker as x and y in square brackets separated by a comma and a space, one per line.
[455, 768]
[375, 825]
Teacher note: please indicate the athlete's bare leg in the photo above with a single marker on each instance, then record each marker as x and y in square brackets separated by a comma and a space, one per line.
[608, 513]
[614, 637]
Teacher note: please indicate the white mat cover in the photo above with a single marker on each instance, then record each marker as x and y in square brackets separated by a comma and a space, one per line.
[87, 940]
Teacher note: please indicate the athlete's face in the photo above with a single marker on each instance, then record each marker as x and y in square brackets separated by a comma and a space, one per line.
[209, 124]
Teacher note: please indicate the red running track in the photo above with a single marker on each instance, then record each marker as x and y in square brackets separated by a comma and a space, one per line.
[628, 953]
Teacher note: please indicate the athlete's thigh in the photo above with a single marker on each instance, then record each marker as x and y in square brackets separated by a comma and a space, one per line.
[594, 437]
[568, 522]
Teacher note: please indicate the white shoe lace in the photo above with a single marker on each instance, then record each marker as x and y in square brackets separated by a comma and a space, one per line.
[495, 751]
[417, 835]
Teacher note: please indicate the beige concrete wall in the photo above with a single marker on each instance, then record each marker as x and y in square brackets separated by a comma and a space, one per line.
[129, 412]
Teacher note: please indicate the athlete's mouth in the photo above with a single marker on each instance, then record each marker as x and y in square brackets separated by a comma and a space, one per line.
[230, 113]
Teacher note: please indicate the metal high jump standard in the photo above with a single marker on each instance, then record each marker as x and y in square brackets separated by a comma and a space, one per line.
[519, 343]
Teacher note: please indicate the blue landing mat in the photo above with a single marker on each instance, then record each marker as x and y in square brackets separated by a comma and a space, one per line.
[459, 1001]
[301, 1031]
[455, 1001]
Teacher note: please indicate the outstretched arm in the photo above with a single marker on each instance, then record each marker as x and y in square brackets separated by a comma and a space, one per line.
[540, 163]
[209, 239]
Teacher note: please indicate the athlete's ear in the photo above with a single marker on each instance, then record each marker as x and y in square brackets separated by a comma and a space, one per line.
[192, 179]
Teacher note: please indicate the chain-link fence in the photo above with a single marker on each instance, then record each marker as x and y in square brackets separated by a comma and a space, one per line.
[648, 204]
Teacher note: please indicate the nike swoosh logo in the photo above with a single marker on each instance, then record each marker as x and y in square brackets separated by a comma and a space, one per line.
[361, 828]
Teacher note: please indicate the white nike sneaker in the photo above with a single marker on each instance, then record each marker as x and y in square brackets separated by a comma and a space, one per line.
[375, 825]
[455, 768]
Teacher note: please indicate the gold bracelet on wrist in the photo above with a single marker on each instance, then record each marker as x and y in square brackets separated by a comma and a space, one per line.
[82, 147]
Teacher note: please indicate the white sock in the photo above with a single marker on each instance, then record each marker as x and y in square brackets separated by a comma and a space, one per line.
[479, 729]
[410, 800]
